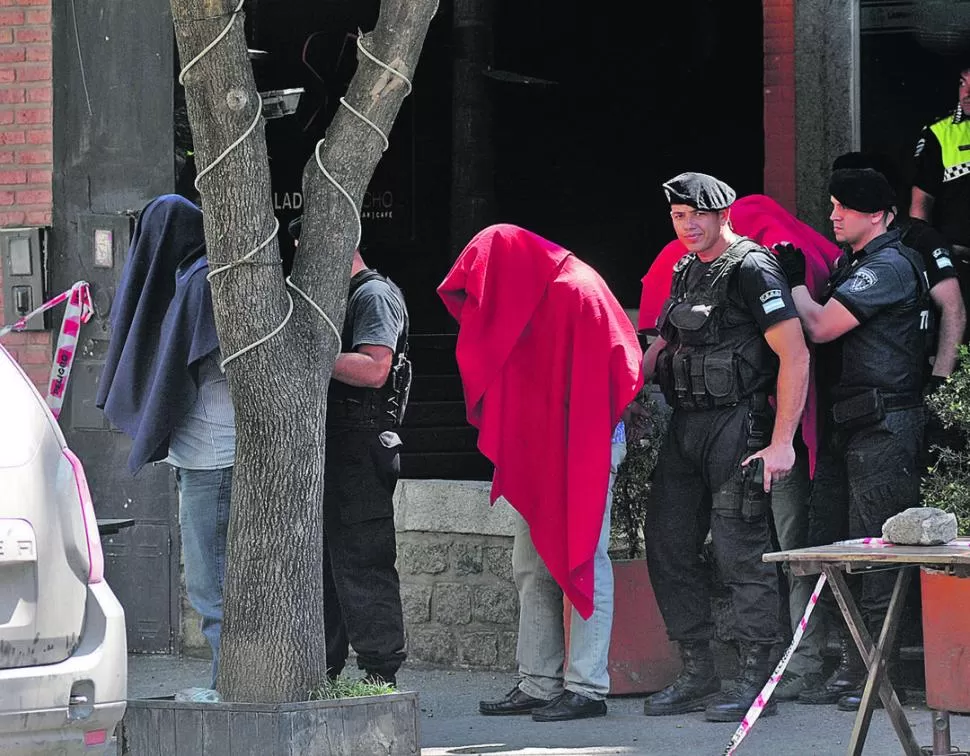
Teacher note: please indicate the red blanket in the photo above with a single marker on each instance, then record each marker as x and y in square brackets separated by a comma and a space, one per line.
[768, 223]
[548, 361]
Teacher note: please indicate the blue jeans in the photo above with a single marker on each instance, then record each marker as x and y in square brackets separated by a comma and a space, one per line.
[204, 520]
[541, 646]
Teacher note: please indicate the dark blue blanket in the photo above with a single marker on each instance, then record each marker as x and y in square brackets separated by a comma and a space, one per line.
[162, 325]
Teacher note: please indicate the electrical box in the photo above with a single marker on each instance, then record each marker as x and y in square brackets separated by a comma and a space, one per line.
[23, 276]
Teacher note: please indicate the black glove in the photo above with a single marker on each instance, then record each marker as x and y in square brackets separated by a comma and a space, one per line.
[792, 261]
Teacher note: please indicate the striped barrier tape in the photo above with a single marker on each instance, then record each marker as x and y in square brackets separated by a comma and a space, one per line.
[78, 311]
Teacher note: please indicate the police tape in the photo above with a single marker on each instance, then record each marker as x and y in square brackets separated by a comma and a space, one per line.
[78, 311]
[761, 702]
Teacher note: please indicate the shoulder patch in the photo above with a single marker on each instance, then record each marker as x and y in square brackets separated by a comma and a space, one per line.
[862, 279]
[920, 146]
[770, 294]
[683, 262]
[942, 257]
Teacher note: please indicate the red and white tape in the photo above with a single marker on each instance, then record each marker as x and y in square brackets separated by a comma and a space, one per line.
[79, 310]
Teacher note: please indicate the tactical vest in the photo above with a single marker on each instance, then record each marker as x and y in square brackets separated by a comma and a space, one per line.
[716, 354]
[954, 138]
[365, 408]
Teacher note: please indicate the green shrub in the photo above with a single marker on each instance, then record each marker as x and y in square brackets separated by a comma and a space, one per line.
[343, 688]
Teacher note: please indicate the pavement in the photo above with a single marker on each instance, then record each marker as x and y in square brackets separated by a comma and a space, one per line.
[451, 725]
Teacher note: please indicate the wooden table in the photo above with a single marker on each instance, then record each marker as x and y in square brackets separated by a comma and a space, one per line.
[853, 557]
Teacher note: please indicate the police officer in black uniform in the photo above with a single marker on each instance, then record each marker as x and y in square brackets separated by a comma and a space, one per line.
[365, 404]
[871, 327]
[729, 338]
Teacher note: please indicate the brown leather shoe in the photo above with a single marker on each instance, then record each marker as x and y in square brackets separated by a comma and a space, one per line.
[513, 702]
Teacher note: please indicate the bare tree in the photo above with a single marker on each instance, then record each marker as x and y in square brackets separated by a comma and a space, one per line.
[273, 636]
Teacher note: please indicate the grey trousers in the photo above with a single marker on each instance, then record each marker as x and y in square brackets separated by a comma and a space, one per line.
[541, 646]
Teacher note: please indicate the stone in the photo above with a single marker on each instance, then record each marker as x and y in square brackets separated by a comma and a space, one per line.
[921, 526]
[416, 602]
[432, 645]
[451, 506]
[507, 643]
[498, 562]
[423, 559]
[478, 649]
[498, 604]
[452, 604]
[466, 559]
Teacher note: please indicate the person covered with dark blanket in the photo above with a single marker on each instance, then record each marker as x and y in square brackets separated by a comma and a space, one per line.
[163, 386]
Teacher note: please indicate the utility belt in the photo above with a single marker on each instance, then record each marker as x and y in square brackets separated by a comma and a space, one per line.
[370, 413]
[870, 407]
[700, 381]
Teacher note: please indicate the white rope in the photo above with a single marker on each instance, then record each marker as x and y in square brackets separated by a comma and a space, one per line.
[252, 127]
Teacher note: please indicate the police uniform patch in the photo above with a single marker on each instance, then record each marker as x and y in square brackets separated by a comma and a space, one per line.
[862, 279]
[771, 300]
[942, 257]
[920, 145]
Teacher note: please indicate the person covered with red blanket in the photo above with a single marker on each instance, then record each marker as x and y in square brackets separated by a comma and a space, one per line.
[549, 362]
[765, 221]
[729, 338]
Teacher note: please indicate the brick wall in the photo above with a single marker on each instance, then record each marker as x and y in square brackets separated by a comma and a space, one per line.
[779, 101]
[26, 145]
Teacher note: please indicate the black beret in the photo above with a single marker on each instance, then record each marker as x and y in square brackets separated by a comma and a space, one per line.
[295, 227]
[862, 189]
[699, 190]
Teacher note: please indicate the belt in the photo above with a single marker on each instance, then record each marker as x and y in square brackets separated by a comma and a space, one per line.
[896, 402]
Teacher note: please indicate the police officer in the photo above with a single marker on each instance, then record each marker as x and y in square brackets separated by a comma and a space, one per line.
[941, 187]
[365, 403]
[729, 337]
[870, 326]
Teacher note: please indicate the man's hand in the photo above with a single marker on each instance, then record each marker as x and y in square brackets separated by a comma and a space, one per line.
[636, 422]
[778, 461]
[792, 261]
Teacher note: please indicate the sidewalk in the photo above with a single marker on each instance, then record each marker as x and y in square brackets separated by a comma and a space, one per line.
[451, 725]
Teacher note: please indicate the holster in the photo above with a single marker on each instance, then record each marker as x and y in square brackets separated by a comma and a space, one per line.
[859, 411]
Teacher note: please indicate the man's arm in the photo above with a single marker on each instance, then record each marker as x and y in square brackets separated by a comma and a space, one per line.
[649, 366]
[787, 341]
[822, 324]
[953, 320]
[368, 367]
[921, 204]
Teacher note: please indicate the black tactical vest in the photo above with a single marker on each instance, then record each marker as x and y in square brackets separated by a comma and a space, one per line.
[365, 408]
[716, 354]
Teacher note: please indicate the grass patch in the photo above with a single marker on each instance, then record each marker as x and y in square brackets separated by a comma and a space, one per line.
[343, 688]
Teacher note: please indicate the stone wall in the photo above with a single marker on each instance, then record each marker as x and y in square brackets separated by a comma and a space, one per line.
[455, 562]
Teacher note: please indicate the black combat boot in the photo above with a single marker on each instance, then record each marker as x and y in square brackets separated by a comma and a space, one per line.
[848, 677]
[695, 686]
[733, 704]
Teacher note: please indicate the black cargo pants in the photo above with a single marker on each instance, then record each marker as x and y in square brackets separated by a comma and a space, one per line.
[362, 593]
[699, 485]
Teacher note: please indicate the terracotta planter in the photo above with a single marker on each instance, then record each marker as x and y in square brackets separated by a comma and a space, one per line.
[946, 640]
[642, 659]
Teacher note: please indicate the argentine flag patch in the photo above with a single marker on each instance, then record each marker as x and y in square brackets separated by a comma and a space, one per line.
[771, 301]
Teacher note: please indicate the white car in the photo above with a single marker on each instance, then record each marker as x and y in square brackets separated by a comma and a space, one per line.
[63, 653]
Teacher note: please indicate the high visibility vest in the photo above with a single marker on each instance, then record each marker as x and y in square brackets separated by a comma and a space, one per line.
[954, 139]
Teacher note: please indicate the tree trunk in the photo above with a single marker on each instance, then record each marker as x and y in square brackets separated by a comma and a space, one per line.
[273, 637]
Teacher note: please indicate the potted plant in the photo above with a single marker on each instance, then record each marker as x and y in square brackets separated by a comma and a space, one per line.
[642, 659]
[946, 597]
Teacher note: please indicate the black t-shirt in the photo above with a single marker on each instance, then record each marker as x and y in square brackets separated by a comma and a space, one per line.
[933, 248]
[887, 350]
[951, 208]
[761, 288]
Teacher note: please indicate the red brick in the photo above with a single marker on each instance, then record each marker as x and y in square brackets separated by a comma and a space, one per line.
[7, 157]
[7, 76]
[35, 355]
[35, 157]
[32, 2]
[6, 36]
[38, 218]
[40, 136]
[12, 218]
[34, 197]
[26, 36]
[6, 117]
[12, 55]
[10, 96]
[33, 115]
[7, 198]
[39, 337]
[13, 137]
[39, 177]
[39, 94]
[39, 375]
[15, 338]
[12, 18]
[39, 16]
[34, 73]
[13, 177]
[38, 52]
